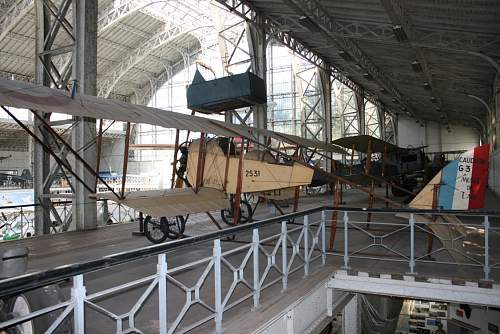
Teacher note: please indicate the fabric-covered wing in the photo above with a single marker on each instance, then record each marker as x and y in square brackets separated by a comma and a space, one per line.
[20, 94]
[360, 144]
[172, 202]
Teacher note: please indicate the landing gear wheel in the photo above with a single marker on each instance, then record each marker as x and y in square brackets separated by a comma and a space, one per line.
[176, 228]
[156, 231]
[31, 301]
[245, 213]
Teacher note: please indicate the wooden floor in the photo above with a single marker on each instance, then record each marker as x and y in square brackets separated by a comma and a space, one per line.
[54, 250]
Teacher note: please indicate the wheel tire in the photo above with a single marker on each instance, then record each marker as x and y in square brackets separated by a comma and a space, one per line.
[175, 229]
[227, 214]
[32, 301]
[155, 231]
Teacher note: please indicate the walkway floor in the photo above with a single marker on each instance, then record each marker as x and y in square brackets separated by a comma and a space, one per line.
[51, 251]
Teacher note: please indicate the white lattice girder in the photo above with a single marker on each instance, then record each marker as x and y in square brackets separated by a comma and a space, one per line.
[13, 15]
[111, 16]
[139, 54]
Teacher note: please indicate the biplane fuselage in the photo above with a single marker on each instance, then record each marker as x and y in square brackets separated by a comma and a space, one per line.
[221, 171]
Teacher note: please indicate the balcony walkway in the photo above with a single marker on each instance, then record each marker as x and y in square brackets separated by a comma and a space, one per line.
[50, 251]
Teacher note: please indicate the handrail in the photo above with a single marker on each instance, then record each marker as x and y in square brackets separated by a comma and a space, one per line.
[33, 280]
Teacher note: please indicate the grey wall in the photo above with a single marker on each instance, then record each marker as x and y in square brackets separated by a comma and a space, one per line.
[435, 136]
[494, 172]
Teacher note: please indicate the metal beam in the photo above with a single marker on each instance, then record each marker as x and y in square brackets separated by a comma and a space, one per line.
[380, 32]
[41, 158]
[166, 37]
[85, 73]
[315, 11]
[400, 18]
[14, 15]
[434, 290]
[257, 44]
[283, 35]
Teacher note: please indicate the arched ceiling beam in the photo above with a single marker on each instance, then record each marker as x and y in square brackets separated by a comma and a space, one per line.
[145, 93]
[109, 17]
[139, 54]
[13, 15]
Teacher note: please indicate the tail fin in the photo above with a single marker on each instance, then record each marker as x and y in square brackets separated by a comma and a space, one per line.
[460, 185]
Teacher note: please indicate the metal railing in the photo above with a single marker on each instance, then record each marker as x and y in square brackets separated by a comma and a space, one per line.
[437, 241]
[18, 220]
[286, 245]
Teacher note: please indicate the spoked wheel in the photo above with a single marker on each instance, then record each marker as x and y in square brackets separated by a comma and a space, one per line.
[246, 213]
[156, 230]
[176, 228]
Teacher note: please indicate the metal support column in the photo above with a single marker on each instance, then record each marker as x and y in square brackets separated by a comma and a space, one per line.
[85, 74]
[257, 43]
[326, 106]
[41, 158]
[360, 108]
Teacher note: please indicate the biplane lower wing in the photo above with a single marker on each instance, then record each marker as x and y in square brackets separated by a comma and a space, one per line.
[172, 202]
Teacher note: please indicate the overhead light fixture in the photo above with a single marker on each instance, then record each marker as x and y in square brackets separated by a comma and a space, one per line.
[395, 101]
[427, 86]
[442, 116]
[344, 55]
[400, 33]
[422, 125]
[438, 109]
[433, 100]
[368, 76]
[417, 67]
[417, 121]
[308, 24]
[383, 91]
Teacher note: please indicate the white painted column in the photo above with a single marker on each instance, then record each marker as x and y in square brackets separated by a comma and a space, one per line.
[351, 319]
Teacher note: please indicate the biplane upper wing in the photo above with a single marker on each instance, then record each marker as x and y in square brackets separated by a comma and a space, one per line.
[25, 95]
[172, 202]
[360, 143]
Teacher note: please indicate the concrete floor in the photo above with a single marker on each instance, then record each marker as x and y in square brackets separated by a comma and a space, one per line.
[52, 251]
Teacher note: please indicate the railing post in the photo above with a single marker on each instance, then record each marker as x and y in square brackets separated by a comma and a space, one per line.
[323, 237]
[306, 245]
[256, 269]
[78, 293]
[218, 289]
[412, 244]
[161, 269]
[486, 268]
[284, 256]
[119, 213]
[346, 241]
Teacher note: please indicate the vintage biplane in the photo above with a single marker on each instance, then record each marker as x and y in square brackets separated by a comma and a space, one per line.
[216, 168]
[396, 166]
